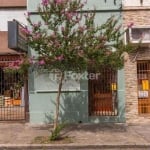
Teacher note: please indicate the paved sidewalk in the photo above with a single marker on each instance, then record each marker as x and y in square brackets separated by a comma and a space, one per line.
[85, 136]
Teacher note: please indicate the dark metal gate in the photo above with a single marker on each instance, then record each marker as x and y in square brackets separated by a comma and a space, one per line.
[103, 93]
[143, 76]
[12, 103]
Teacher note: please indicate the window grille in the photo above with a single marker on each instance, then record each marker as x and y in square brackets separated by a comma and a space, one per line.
[143, 76]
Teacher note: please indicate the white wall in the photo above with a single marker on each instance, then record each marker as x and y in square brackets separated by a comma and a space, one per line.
[9, 15]
[135, 3]
[146, 3]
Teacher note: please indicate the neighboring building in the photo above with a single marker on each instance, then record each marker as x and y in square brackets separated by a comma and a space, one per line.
[85, 101]
[137, 67]
[11, 105]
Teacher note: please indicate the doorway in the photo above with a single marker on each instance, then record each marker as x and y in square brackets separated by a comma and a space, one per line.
[12, 92]
[103, 93]
[143, 77]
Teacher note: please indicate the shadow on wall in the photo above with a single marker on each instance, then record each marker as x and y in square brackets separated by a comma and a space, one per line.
[73, 108]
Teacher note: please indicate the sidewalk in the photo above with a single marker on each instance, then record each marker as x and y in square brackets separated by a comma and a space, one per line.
[85, 136]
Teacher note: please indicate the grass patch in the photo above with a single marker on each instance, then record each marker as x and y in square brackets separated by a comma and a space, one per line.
[46, 140]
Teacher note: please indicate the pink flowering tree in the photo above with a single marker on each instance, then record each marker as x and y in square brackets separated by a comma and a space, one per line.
[67, 39]
[21, 65]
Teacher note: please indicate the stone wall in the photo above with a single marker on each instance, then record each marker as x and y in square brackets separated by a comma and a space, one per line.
[140, 17]
[131, 108]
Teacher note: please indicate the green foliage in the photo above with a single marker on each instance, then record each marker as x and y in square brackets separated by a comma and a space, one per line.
[55, 134]
[67, 39]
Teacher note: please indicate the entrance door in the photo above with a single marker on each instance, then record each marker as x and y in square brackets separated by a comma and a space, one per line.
[143, 76]
[12, 93]
[103, 93]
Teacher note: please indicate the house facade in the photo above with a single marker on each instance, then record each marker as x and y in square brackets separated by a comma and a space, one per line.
[136, 12]
[85, 100]
[116, 96]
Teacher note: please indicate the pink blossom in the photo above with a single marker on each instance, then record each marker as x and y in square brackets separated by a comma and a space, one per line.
[46, 23]
[26, 31]
[57, 44]
[10, 64]
[14, 65]
[60, 57]
[41, 62]
[45, 2]
[18, 62]
[50, 44]
[130, 25]
[63, 11]
[62, 29]
[37, 24]
[36, 36]
[53, 35]
[31, 60]
[27, 14]
[59, 1]
[85, 2]
[81, 28]
[69, 15]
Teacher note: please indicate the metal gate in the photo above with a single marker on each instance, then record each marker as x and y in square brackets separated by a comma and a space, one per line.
[12, 103]
[143, 76]
[103, 93]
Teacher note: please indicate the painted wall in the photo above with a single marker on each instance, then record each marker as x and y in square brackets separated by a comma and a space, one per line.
[91, 4]
[74, 102]
[9, 15]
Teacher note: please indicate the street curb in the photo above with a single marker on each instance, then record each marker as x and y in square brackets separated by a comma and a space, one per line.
[69, 146]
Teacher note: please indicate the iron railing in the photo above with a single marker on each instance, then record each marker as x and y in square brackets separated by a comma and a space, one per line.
[143, 76]
[12, 103]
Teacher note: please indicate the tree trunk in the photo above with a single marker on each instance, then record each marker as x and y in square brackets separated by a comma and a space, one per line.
[58, 101]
